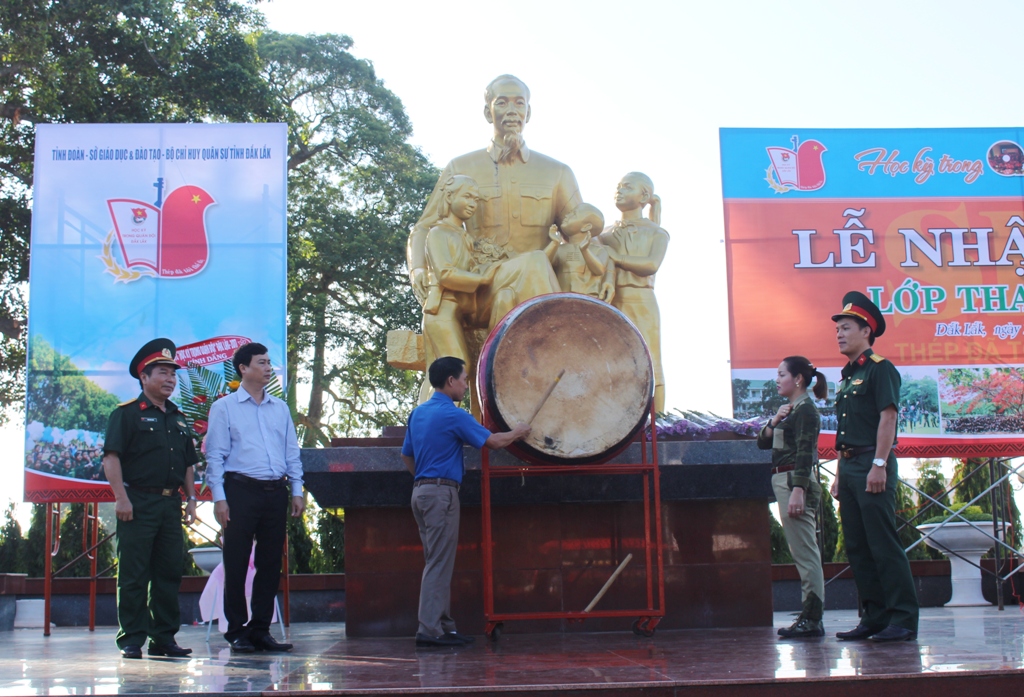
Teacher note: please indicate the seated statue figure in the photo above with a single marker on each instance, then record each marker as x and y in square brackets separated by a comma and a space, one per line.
[637, 246]
[580, 262]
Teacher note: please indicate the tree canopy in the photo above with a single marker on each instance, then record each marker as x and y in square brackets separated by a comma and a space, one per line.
[104, 61]
[355, 183]
[355, 188]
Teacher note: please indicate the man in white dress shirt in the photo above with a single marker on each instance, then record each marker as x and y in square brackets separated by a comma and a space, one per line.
[252, 457]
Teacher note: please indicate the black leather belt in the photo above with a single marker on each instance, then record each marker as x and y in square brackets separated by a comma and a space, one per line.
[439, 481]
[848, 453]
[265, 484]
[783, 468]
[155, 490]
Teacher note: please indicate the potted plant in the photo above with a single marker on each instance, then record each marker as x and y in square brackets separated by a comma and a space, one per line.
[964, 544]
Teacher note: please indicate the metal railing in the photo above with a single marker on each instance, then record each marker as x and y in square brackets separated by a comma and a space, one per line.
[1004, 554]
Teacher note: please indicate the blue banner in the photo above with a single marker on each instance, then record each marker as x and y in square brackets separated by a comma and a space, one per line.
[139, 232]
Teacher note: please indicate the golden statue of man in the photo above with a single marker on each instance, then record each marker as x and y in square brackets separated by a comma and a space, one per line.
[522, 193]
[637, 246]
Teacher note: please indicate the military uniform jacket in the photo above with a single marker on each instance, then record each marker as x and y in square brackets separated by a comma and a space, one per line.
[155, 447]
[798, 448]
[869, 385]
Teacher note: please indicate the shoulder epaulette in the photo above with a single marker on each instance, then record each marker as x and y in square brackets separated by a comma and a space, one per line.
[876, 358]
[124, 404]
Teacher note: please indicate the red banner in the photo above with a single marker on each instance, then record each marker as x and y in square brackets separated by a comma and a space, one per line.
[935, 239]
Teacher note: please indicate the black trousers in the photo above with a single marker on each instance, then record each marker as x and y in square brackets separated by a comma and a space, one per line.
[259, 513]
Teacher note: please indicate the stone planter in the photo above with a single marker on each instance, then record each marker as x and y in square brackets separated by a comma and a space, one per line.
[207, 558]
[970, 544]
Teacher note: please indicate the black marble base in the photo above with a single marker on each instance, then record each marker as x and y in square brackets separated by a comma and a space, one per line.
[72, 610]
[366, 477]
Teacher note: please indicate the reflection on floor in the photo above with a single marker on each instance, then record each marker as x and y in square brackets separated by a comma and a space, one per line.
[980, 644]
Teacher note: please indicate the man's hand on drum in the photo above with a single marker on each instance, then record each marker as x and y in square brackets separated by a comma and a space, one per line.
[521, 431]
[607, 292]
[497, 441]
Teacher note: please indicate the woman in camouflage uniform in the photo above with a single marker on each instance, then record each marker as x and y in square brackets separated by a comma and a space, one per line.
[792, 434]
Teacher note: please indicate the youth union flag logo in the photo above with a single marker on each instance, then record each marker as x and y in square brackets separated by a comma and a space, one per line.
[798, 168]
[166, 240]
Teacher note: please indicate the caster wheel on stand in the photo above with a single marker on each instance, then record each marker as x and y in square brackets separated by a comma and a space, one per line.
[641, 627]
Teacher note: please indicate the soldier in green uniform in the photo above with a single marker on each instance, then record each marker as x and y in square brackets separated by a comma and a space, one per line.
[867, 408]
[792, 434]
[148, 457]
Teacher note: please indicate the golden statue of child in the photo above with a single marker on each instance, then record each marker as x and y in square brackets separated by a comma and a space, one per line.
[451, 282]
[581, 263]
[637, 246]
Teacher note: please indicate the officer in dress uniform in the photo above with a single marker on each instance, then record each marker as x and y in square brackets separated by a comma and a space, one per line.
[867, 409]
[148, 457]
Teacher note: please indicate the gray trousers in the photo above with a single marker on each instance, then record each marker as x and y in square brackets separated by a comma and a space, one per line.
[436, 509]
[802, 539]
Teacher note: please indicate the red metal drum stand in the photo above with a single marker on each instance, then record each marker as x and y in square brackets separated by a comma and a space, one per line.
[647, 617]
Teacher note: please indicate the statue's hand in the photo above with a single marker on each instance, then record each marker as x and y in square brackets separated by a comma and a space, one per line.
[585, 242]
[489, 274]
[554, 235]
[607, 292]
[419, 284]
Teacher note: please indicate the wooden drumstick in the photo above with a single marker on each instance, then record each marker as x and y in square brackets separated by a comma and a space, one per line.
[545, 397]
[608, 583]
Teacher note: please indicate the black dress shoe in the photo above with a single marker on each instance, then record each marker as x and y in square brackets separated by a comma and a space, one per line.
[465, 639]
[172, 650]
[894, 633]
[131, 651]
[443, 640]
[268, 643]
[861, 631]
[242, 645]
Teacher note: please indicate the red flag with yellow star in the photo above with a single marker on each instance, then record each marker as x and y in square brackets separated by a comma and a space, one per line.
[169, 242]
[184, 249]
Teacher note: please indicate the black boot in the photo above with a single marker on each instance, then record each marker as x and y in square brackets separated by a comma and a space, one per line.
[808, 624]
[784, 631]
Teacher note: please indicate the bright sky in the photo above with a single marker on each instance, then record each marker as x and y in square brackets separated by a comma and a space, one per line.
[622, 86]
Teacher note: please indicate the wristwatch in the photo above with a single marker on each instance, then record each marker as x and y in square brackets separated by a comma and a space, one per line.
[191, 498]
[878, 462]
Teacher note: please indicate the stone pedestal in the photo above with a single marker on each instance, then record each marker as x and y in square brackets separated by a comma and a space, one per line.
[558, 539]
[964, 545]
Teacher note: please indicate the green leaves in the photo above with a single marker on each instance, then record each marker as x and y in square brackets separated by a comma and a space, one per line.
[108, 61]
[356, 185]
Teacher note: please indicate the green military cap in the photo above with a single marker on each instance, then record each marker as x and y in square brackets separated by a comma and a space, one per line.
[156, 351]
[856, 304]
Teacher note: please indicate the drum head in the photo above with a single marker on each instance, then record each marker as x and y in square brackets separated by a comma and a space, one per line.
[602, 400]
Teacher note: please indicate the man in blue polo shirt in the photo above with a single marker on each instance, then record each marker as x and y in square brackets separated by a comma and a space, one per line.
[437, 431]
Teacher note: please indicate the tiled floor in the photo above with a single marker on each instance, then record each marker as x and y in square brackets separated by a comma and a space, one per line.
[73, 661]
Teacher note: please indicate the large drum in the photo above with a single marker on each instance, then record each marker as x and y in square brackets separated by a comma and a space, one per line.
[602, 400]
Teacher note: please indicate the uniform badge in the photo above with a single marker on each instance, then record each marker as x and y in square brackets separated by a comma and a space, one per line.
[142, 405]
[858, 382]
